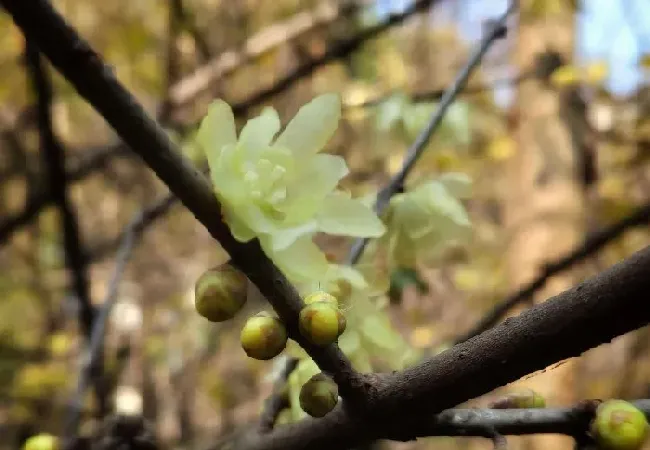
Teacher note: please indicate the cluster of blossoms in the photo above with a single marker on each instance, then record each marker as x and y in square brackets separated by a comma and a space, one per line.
[278, 188]
[281, 190]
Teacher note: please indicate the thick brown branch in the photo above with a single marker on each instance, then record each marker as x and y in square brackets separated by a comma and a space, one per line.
[477, 422]
[592, 244]
[85, 70]
[590, 314]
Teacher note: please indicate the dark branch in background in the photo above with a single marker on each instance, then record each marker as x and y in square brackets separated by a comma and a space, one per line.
[85, 70]
[93, 160]
[396, 183]
[401, 404]
[340, 50]
[188, 23]
[187, 89]
[278, 399]
[147, 216]
[43, 199]
[98, 331]
[591, 245]
[54, 158]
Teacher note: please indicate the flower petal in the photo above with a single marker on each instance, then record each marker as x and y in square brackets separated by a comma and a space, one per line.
[312, 126]
[301, 262]
[343, 216]
[282, 239]
[216, 131]
[458, 184]
[258, 132]
[311, 184]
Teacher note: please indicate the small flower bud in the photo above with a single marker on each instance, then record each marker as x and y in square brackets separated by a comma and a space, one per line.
[321, 296]
[321, 323]
[319, 395]
[619, 425]
[524, 399]
[220, 293]
[263, 336]
[42, 442]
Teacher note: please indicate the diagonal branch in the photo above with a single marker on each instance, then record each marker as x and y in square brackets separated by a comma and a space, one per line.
[396, 184]
[591, 245]
[85, 70]
[590, 314]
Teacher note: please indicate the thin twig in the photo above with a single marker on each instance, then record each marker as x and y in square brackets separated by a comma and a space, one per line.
[396, 183]
[54, 158]
[278, 399]
[98, 332]
[591, 245]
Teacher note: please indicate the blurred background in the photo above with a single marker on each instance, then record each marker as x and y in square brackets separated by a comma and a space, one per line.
[553, 129]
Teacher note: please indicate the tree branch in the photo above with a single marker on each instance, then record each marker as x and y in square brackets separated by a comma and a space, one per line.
[95, 81]
[592, 313]
[187, 89]
[591, 245]
[96, 346]
[278, 399]
[54, 158]
[396, 183]
[475, 422]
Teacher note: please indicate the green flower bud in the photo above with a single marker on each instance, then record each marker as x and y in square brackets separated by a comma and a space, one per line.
[321, 323]
[619, 425]
[42, 442]
[263, 336]
[220, 293]
[524, 399]
[319, 395]
[321, 296]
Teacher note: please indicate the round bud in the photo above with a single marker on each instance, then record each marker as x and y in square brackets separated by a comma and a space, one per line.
[220, 293]
[321, 296]
[319, 395]
[321, 323]
[524, 399]
[619, 425]
[263, 336]
[42, 442]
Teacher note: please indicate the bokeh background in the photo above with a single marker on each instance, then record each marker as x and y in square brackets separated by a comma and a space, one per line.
[553, 129]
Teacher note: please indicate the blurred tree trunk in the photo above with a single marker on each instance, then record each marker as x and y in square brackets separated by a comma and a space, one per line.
[544, 205]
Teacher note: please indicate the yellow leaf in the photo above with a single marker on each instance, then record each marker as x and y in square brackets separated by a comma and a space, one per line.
[612, 187]
[596, 72]
[421, 337]
[501, 148]
[394, 162]
[644, 61]
[566, 75]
